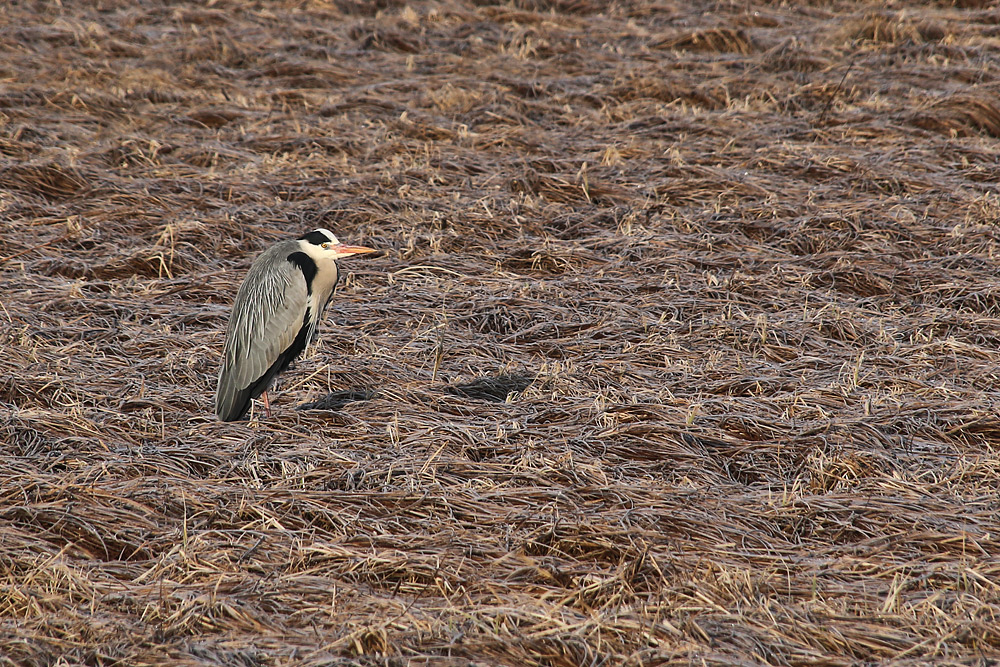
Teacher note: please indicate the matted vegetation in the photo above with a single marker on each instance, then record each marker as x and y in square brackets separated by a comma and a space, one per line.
[683, 348]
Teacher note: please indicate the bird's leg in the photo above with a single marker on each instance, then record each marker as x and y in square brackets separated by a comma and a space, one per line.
[267, 405]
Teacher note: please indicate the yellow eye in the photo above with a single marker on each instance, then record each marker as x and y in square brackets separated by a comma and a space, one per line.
[326, 245]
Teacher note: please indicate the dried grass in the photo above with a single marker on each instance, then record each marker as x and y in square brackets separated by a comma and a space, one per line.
[682, 349]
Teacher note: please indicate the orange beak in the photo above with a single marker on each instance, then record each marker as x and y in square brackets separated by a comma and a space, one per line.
[342, 249]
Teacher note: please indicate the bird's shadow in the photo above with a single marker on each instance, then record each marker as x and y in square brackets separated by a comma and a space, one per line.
[335, 400]
[493, 388]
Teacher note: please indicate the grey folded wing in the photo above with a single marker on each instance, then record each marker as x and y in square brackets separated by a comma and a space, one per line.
[269, 312]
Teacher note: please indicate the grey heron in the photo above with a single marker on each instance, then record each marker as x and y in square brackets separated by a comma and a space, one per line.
[275, 315]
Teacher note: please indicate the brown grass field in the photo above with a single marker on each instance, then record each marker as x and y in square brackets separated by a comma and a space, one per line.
[683, 348]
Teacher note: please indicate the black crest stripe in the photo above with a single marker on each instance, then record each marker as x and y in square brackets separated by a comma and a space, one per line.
[315, 237]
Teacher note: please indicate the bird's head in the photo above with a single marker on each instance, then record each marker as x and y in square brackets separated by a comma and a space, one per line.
[328, 246]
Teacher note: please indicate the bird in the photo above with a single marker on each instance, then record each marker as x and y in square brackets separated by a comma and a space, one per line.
[274, 317]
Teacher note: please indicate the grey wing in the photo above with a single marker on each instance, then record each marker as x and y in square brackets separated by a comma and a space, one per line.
[269, 312]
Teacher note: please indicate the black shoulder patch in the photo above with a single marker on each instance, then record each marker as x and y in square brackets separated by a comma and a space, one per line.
[315, 237]
[306, 265]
